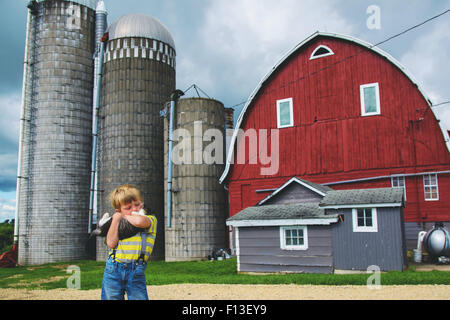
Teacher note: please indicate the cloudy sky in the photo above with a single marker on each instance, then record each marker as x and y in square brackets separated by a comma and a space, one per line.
[225, 47]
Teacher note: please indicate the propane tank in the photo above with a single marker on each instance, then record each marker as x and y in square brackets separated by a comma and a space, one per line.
[437, 241]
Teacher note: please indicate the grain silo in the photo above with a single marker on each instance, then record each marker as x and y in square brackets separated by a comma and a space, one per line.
[56, 122]
[199, 206]
[138, 77]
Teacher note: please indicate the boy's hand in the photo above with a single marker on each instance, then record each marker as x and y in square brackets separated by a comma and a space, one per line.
[118, 215]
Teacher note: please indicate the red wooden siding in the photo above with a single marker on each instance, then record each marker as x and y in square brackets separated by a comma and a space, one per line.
[330, 140]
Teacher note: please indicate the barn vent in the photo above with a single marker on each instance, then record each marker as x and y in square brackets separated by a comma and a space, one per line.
[321, 51]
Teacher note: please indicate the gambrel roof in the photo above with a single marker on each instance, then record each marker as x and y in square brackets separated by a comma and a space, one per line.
[293, 51]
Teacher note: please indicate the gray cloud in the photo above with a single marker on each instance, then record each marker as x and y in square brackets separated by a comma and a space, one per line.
[226, 47]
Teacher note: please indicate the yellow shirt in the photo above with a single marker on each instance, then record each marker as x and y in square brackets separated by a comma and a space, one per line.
[129, 249]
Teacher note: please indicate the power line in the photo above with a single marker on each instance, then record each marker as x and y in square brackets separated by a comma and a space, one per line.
[440, 104]
[354, 55]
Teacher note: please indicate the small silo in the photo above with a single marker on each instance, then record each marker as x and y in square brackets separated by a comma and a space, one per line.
[56, 122]
[199, 206]
[138, 77]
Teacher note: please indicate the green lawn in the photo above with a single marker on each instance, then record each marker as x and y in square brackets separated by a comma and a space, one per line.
[52, 276]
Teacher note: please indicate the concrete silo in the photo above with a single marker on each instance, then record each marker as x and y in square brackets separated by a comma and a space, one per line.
[199, 206]
[55, 141]
[138, 77]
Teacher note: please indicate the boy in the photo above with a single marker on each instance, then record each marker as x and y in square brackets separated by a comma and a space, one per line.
[124, 270]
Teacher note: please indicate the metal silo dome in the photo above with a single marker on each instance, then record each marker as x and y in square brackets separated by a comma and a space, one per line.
[140, 26]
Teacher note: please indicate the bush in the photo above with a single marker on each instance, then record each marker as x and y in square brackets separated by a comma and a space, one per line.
[6, 235]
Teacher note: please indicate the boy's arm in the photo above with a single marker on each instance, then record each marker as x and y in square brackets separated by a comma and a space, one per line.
[138, 221]
[112, 238]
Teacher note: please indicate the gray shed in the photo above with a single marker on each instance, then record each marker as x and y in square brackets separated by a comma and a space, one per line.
[372, 230]
[284, 238]
[343, 229]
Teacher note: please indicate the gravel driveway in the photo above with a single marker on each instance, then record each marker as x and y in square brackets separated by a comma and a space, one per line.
[249, 292]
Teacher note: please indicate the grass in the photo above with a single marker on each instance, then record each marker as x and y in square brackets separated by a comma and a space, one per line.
[53, 276]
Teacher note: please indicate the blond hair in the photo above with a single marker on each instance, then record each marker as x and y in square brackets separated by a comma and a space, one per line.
[124, 194]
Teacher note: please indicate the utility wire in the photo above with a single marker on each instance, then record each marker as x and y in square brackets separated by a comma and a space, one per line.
[440, 104]
[352, 56]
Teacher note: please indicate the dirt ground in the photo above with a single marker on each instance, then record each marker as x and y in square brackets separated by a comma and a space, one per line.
[249, 292]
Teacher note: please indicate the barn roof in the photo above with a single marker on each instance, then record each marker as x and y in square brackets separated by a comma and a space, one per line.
[291, 214]
[296, 49]
[379, 197]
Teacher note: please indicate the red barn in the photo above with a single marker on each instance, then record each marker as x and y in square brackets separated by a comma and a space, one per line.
[348, 116]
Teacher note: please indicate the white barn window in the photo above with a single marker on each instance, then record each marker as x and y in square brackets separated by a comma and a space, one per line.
[365, 220]
[285, 113]
[370, 99]
[320, 52]
[399, 182]
[294, 238]
[430, 187]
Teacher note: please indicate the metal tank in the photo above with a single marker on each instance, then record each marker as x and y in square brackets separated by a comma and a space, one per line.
[138, 77]
[437, 241]
[55, 139]
[199, 206]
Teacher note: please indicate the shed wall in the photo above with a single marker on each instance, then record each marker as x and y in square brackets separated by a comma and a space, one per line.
[259, 251]
[359, 250]
[294, 193]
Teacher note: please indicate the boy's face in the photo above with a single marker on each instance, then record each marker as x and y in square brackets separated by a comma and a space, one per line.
[128, 208]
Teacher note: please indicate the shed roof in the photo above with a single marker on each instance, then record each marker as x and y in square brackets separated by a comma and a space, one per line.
[298, 213]
[379, 197]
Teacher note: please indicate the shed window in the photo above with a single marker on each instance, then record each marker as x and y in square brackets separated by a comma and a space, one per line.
[430, 185]
[370, 99]
[320, 52]
[365, 220]
[294, 238]
[285, 116]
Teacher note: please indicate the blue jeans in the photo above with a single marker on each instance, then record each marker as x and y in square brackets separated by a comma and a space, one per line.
[120, 278]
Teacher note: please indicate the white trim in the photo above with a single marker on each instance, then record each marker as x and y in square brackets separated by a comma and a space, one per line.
[404, 183]
[370, 205]
[297, 47]
[430, 185]
[330, 53]
[384, 177]
[291, 113]
[293, 179]
[363, 101]
[284, 246]
[281, 222]
[373, 228]
[238, 250]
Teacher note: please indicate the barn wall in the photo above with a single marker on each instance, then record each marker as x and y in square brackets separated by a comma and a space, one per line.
[359, 250]
[330, 140]
[260, 251]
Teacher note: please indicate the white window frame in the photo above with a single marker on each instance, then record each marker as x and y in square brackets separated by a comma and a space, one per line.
[377, 97]
[283, 244]
[430, 186]
[291, 110]
[312, 57]
[356, 228]
[393, 178]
